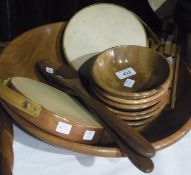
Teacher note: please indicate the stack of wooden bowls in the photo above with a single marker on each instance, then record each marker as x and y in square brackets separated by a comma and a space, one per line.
[133, 82]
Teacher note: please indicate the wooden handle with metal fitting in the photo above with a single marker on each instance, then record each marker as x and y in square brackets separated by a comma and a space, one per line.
[19, 101]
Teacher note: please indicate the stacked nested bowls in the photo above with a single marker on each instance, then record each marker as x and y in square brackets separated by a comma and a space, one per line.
[132, 81]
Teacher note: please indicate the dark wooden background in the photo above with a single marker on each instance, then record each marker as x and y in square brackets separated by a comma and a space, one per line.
[17, 16]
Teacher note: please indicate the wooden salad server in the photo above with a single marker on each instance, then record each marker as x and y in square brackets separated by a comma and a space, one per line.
[65, 75]
[144, 163]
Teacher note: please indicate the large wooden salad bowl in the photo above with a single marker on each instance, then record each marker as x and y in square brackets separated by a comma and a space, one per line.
[20, 58]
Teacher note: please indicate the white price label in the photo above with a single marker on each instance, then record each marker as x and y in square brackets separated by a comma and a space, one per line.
[129, 83]
[88, 135]
[170, 60]
[49, 70]
[125, 73]
[63, 128]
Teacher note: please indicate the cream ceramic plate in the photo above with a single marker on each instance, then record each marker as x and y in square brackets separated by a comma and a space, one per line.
[99, 27]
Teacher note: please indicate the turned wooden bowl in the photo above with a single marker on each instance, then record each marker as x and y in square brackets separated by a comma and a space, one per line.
[143, 121]
[126, 100]
[20, 58]
[136, 113]
[127, 107]
[155, 112]
[131, 71]
[137, 116]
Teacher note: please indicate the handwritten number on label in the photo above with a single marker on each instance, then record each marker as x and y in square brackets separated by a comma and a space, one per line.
[125, 73]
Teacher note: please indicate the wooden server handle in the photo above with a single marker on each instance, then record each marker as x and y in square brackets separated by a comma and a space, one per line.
[19, 101]
[6, 142]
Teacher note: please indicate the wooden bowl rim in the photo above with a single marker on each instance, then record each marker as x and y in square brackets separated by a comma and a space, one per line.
[102, 151]
[162, 103]
[122, 106]
[89, 6]
[132, 94]
[128, 100]
[159, 144]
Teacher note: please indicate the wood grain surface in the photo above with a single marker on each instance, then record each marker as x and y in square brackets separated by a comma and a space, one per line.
[19, 59]
[6, 141]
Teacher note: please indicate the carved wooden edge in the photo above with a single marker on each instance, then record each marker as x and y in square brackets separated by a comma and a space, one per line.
[6, 128]
[6, 137]
[6, 142]
[89, 149]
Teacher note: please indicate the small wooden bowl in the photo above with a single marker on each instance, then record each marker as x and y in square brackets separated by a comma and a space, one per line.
[145, 116]
[135, 113]
[126, 107]
[144, 121]
[147, 68]
[126, 100]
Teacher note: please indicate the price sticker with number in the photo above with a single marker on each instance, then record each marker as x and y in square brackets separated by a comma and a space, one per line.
[129, 83]
[125, 73]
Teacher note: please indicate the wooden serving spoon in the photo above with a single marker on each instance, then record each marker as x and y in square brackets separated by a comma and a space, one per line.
[143, 163]
[64, 75]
